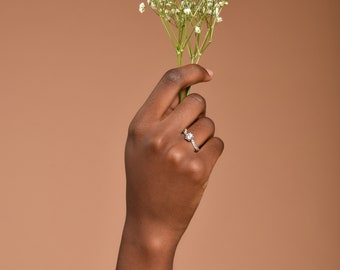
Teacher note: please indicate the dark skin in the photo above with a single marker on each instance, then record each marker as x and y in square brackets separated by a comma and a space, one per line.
[166, 178]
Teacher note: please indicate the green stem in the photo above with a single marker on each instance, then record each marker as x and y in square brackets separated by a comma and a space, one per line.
[183, 93]
[168, 32]
[179, 58]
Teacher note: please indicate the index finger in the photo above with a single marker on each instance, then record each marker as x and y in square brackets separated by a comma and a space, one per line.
[173, 81]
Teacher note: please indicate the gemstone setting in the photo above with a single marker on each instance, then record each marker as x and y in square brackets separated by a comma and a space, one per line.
[189, 137]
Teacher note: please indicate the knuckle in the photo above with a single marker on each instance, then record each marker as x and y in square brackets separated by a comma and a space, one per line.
[172, 76]
[156, 143]
[152, 141]
[196, 170]
[219, 144]
[198, 99]
[135, 129]
[176, 156]
[209, 122]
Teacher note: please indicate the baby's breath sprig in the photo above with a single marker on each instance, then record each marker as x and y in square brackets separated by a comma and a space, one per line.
[189, 23]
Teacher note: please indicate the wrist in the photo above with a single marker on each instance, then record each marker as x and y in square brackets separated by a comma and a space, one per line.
[146, 246]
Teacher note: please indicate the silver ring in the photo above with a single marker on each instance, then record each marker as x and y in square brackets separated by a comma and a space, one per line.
[188, 136]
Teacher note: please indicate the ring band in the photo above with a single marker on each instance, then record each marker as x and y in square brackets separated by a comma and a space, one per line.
[188, 136]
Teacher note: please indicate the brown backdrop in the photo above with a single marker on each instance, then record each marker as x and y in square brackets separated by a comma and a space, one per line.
[73, 73]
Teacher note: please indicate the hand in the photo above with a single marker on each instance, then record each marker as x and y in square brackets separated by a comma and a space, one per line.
[166, 178]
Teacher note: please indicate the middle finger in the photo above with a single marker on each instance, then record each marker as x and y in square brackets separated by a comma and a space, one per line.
[187, 112]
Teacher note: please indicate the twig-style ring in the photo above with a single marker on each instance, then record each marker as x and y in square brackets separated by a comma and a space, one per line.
[188, 136]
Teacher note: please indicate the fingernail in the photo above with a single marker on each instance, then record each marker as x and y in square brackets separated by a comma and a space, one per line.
[211, 73]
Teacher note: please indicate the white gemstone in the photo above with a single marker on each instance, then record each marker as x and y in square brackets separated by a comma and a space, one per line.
[189, 136]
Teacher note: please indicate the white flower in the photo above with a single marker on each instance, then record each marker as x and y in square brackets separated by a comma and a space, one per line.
[187, 11]
[141, 7]
[197, 29]
[189, 23]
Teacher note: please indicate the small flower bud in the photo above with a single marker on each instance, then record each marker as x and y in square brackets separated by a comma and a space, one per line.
[197, 29]
[141, 7]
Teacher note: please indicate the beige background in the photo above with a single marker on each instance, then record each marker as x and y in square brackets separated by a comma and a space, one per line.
[73, 73]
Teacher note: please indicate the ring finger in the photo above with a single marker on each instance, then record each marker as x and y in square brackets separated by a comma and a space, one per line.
[202, 130]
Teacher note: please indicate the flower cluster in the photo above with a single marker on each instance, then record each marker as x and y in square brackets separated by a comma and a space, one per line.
[189, 23]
